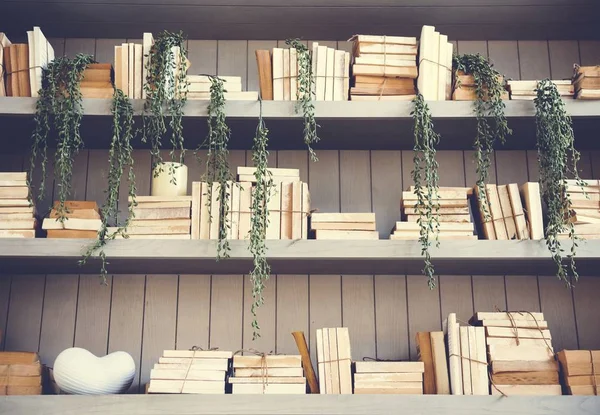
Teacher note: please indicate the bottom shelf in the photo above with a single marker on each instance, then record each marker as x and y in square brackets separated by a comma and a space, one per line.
[299, 405]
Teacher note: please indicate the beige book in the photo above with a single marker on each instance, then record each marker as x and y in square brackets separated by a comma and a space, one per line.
[526, 378]
[507, 213]
[524, 366]
[449, 71]
[293, 74]
[272, 372]
[156, 230]
[456, 236]
[442, 194]
[275, 172]
[5, 203]
[305, 210]
[526, 390]
[339, 73]
[465, 353]
[348, 235]
[136, 223]
[14, 192]
[245, 212]
[286, 210]
[215, 210]
[314, 58]
[388, 377]
[444, 226]
[329, 75]
[346, 75]
[161, 213]
[16, 176]
[286, 74]
[22, 224]
[278, 80]
[506, 341]
[200, 364]
[443, 218]
[269, 379]
[344, 226]
[510, 353]
[199, 354]
[196, 203]
[125, 68]
[321, 362]
[335, 362]
[4, 43]
[495, 211]
[389, 367]
[386, 60]
[272, 361]
[342, 217]
[517, 209]
[274, 208]
[345, 360]
[186, 386]
[438, 348]
[205, 87]
[428, 70]
[525, 324]
[321, 74]
[442, 61]
[205, 79]
[454, 356]
[481, 364]
[235, 212]
[385, 48]
[191, 374]
[388, 71]
[384, 389]
[388, 40]
[147, 43]
[131, 70]
[297, 213]
[522, 333]
[269, 389]
[137, 76]
[382, 97]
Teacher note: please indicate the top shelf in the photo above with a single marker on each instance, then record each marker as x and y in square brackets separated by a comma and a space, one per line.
[345, 125]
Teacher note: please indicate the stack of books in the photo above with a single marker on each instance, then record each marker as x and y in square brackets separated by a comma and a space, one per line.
[82, 221]
[435, 65]
[16, 67]
[16, 215]
[268, 375]
[41, 53]
[432, 354]
[402, 378]
[520, 353]
[334, 361]
[160, 217]
[20, 373]
[465, 88]
[585, 209]
[199, 88]
[525, 90]
[502, 214]
[190, 372]
[454, 218]
[4, 44]
[385, 68]
[344, 226]
[97, 81]
[580, 371]
[586, 82]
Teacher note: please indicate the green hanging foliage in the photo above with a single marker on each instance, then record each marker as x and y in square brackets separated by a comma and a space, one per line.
[59, 109]
[305, 95]
[489, 111]
[166, 89]
[557, 158]
[119, 159]
[425, 177]
[260, 218]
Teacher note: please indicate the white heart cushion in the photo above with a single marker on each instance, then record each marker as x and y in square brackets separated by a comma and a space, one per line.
[79, 372]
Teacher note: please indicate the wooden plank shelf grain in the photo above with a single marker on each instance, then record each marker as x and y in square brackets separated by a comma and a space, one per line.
[365, 257]
[345, 125]
[297, 404]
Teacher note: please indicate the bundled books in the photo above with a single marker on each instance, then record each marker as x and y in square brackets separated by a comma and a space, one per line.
[20, 373]
[160, 217]
[384, 68]
[16, 66]
[454, 217]
[41, 53]
[432, 355]
[586, 81]
[585, 209]
[465, 88]
[334, 359]
[344, 226]
[404, 378]
[4, 45]
[82, 220]
[199, 88]
[16, 215]
[435, 65]
[525, 90]
[520, 353]
[581, 371]
[268, 375]
[96, 81]
[190, 372]
[502, 214]
[129, 62]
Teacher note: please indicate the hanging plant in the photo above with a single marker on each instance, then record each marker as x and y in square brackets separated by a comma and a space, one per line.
[557, 158]
[59, 108]
[119, 159]
[305, 95]
[166, 89]
[259, 218]
[489, 111]
[425, 176]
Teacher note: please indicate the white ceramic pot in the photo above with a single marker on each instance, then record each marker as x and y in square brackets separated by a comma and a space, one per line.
[163, 176]
[79, 372]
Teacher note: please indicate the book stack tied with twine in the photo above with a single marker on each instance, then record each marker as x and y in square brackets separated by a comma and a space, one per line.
[16, 214]
[267, 374]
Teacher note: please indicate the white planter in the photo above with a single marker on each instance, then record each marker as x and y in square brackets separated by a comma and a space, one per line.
[162, 181]
[79, 372]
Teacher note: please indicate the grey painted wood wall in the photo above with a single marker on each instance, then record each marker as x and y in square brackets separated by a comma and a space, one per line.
[145, 314]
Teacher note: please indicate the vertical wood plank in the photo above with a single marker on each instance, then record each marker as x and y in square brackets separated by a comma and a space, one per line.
[58, 317]
[325, 306]
[203, 57]
[253, 46]
[226, 326]
[472, 47]
[557, 306]
[423, 309]
[358, 314]
[522, 293]
[193, 311]
[504, 54]
[265, 317]
[471, 168]
[142, 168]
[355, 181]
[451, 168]
[58, 44]
[292, 311]
[511, 167]
[93, 313]
[25, 313]
[563, 54]
[386, 188]
[126, 319]
[105, 50]
[590, 52]
[391, 317]
[232, 59]
[456, 296]
[73, 46]
[488, 293]
[587, 307]
[295, 159]
[5, 282]
[534, 60]
[324, 181]
[160, 319]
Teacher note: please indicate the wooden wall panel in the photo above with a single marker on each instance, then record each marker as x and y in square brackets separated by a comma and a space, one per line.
[386, 189]
[265, 317]
[587, 307]
[456, 297]
[589, 51]
[557, 306]
[5, 282]
[424, 312]
[358, 314]
[534, 59]
[93, 313]
[489, 293]
[355, 181]
[472, 47]
[522, 293]
[511, 167]
[291, 312]
[391, 318]
[25, 313]
[203, 57]
[58, 44]
[193, 311]
[563, 54]
[226, 324]
[232, 59]
[324, 182]
[73, 46]
[105, 49]
[253, 46]
[325, 297]
[504, 54]
[471, 168]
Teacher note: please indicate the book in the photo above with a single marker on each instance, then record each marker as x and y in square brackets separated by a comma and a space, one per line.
[265, 74]
[286, 74]
[321, 74]
[329, 75]
[137, 76]
[147, 43]
[131, 70]
[14, 68]
[397, 72]
[278, 89]
[4, 43]
[293, 74]
[428, 57]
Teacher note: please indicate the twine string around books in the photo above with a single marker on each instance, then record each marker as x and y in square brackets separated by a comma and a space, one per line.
[516, 331]
[264, 367]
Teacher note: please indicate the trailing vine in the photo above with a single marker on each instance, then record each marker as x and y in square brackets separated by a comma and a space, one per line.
[489, 111]
[557, 159]
[59, 108]
[119, 159]
[259, 218]
[217, 161]
[305, 95]
[425, 176]
[166, 89]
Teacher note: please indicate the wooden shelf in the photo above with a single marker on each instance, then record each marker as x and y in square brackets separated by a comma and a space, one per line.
[34, 256]
[297, 404]
[344, 125]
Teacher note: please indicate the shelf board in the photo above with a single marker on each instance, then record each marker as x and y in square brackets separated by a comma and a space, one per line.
[31, 256]
[297, 404]
[345, 125]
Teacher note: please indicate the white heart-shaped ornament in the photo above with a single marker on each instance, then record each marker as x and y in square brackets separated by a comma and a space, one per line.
[79, 372]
